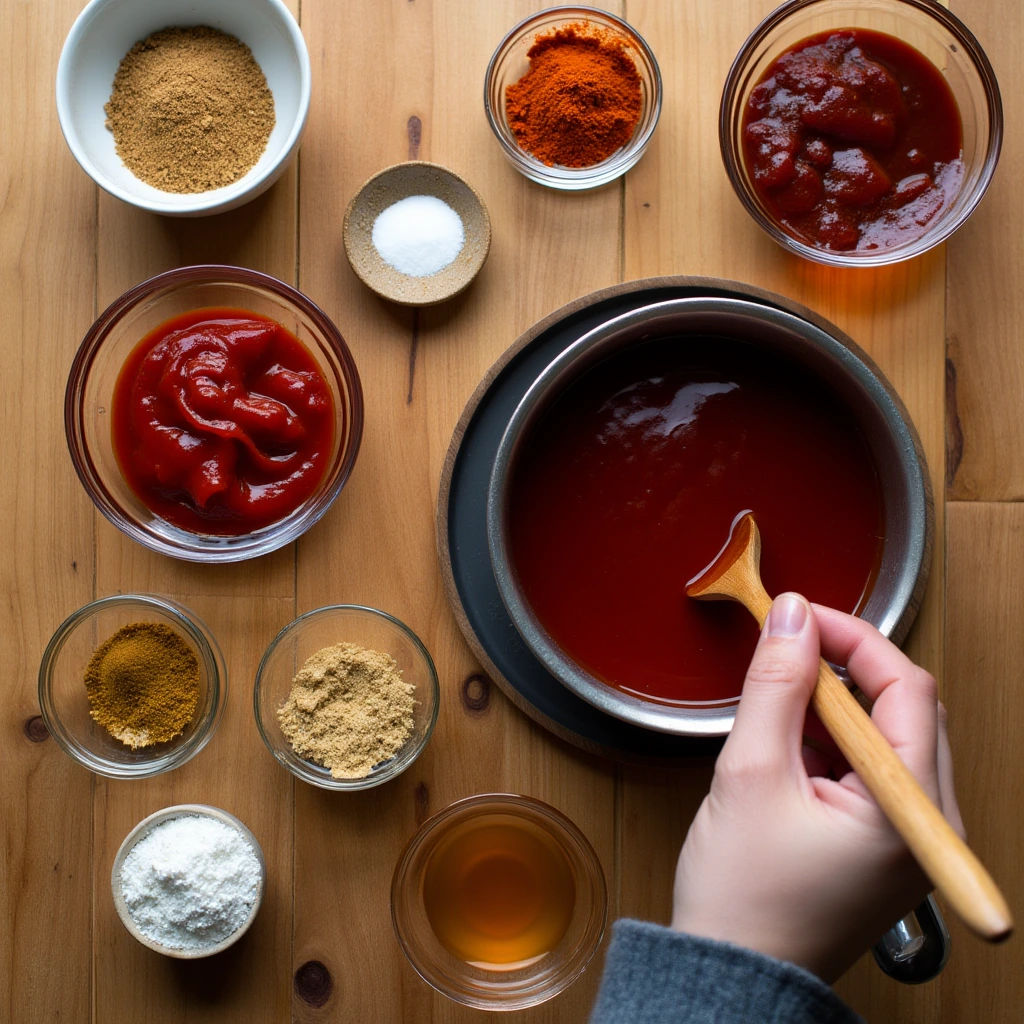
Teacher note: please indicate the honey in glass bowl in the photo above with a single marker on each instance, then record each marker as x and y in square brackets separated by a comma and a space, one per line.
[499, 901]
[499, 894]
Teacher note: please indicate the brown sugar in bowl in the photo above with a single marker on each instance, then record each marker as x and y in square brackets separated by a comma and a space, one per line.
[417, 177]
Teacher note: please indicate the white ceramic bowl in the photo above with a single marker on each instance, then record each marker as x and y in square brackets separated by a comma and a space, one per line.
[107, 29]
[138, 833]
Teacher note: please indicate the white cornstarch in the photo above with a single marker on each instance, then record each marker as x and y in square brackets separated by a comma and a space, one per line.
[190, 882]
[418, 235]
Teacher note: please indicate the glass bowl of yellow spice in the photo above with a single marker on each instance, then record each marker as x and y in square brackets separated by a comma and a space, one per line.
[346, 697]
[132, 685]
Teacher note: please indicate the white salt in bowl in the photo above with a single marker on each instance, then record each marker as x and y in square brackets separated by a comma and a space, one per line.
[398, 182]
[107, 29]
[138, 833]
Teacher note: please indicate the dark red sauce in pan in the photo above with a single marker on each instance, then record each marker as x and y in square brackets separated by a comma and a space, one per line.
[629, 484]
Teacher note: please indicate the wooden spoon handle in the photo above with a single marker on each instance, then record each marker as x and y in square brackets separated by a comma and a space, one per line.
[945, 857]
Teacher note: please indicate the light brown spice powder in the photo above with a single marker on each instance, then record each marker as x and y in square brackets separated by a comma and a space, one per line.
[190, 110]
[348, 710]
[143, 684]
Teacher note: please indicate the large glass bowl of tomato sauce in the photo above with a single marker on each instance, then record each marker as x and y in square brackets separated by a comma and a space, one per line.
[903, 195]
[164, 519]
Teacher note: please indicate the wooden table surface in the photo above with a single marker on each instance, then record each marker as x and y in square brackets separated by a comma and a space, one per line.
[946, 328]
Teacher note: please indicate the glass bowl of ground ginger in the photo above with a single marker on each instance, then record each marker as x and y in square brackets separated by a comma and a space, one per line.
[573, 96]
[346, 697]
[132, 685]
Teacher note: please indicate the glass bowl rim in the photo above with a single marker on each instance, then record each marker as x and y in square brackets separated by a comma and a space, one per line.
[572, 178]
[210, 652]
[733, 161]
[268, 538]
[515, 804]
[385, 774]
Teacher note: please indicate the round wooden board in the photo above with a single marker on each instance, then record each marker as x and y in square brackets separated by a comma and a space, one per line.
[461, 530]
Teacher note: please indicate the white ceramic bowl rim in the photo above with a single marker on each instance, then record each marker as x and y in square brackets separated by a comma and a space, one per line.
[188, 203]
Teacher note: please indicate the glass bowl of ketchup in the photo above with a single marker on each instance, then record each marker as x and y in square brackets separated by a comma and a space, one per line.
[213, 413]
[860, 133]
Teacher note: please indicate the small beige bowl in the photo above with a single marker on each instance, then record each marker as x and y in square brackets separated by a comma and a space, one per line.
[139, 832]
[416, 178]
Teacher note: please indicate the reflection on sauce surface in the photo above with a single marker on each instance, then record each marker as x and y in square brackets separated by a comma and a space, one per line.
[628, 485]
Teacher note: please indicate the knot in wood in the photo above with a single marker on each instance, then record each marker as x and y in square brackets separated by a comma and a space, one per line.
[35, 729]
[476, 694]
[313, 983]
[421, 799]
[414, 127]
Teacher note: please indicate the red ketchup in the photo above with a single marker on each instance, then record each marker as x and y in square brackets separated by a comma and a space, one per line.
[853, 141]
[629, 485]
[222, 421]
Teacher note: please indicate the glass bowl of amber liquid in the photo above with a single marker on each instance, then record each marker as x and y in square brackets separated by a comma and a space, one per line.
[937, 35]
[365, 627]
[510, 62]
[65, 705]
[499, 901]
[89, 399]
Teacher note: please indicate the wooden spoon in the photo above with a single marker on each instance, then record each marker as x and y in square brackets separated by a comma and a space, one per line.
[735, 575]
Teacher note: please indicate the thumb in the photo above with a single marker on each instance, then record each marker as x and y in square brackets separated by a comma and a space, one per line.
[770, 717]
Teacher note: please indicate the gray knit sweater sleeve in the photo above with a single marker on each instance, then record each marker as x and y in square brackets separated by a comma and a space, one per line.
[653, 975]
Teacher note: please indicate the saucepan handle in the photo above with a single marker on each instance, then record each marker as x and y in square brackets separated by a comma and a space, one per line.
[915, 949]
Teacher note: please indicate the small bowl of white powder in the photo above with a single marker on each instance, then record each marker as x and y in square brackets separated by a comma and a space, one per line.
[188, 881]
[416, 233]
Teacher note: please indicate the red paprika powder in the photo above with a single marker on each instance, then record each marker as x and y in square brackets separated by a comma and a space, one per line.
[579, 102]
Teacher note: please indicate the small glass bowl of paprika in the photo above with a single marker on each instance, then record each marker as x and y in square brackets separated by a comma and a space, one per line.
[531, 97]
[876, 169]
[138, 666]
[213, 413]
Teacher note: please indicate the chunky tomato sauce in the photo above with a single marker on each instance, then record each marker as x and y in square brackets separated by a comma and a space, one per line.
[222, 421]
[853, 141]
[629, 485]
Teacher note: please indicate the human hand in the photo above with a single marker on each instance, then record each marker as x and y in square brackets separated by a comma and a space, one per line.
[781, 859]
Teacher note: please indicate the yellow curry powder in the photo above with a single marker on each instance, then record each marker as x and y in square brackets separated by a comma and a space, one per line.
[143, 684]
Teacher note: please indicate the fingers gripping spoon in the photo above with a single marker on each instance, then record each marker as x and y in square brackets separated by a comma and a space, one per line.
[735, 575]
